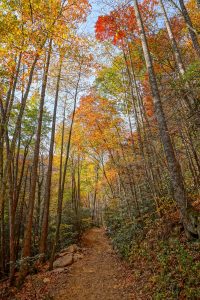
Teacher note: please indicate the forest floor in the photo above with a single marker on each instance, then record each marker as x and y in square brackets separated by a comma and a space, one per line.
[99, 275]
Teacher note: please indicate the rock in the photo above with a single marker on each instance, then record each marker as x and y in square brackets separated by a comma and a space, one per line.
[72, 248]
[62, 254]
[46, 280]
[63, 251]
[78, 256]
[64, 261]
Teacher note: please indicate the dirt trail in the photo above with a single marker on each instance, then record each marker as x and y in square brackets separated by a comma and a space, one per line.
[99, 275]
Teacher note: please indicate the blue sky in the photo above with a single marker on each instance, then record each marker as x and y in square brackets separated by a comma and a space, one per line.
[98, 8]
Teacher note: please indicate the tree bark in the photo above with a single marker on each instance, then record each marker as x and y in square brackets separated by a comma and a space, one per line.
[63, 177]
[27, 235]
[174, 168]
[189, 99]
[191, 30]
[47, 195]
[16, 132]
[26, 252]
[59, 205]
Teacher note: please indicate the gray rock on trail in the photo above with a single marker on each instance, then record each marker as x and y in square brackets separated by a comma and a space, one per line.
[67, 256]
[61, 254]
[63, 261]
[78, 256]
[71, 249]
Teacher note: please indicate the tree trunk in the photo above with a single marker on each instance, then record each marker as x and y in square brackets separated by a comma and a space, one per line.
[2, 256]
[47, 195]
[63, 177]
[175, 48]
[26, 252]
[95, 193]
[59, 205]
[191, 29]
[174, 168]
[28, 230]
[189, 99]
[16, 132]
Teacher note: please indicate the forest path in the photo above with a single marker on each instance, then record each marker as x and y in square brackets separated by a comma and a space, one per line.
[99, 275]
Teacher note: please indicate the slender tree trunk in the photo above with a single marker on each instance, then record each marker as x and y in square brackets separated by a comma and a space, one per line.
[175, 48]
[59, 205]
[47, 195]
[150, 178]
[40, 181]
[189, 99]
[191, 30]
[95, 193]
[20, 214]
[62, 185]
[26, 252]
[16, 132]
[107, 180]
[9, 103]
[78, 196]
[28, 230]
[174, 168]
[2, 256]
[14, 191]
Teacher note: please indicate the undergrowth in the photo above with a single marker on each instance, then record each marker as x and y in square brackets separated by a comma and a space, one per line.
[165, 264]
